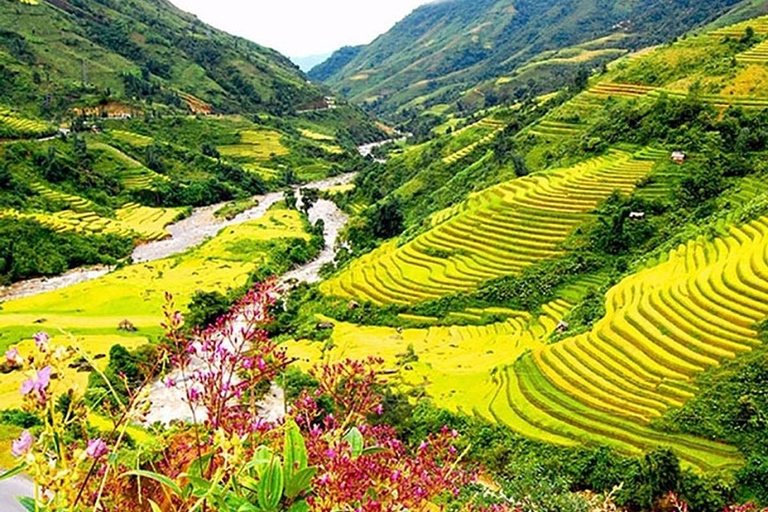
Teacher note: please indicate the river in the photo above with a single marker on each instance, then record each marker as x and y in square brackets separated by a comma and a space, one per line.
[194, 230]
[168, 404]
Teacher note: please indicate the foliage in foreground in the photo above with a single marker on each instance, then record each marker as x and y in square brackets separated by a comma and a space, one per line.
[325, 455]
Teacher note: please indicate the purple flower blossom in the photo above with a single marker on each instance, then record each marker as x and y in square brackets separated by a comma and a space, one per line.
[170, 382]
[39, 383]
[96, 449]
[12, 356]
[22, 445]
[41, 340]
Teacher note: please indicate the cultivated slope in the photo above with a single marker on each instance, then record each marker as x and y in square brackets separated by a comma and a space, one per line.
[449, 47]
[494, 233]
[663, 326]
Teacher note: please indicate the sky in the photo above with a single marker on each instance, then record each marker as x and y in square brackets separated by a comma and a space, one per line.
[299, 28]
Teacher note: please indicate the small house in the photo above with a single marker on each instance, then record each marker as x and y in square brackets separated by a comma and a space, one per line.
[678, 157]
[637, 215]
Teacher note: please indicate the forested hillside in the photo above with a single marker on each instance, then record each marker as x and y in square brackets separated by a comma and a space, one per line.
[59, 54]
[443, 50]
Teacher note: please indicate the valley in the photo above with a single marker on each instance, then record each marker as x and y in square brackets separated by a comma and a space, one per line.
[515, 252]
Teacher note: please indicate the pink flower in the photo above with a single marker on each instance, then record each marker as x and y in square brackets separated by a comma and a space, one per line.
[96, 449]
[379, 409]
[38, 384]
[41, 340]
[423, 445]
[12, 356]
[22, 445]
[170, 382]
[193, 395]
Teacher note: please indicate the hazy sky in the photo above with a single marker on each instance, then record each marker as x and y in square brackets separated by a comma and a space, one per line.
[299, 28]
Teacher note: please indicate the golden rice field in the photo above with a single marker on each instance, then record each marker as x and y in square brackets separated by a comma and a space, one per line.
[664, 325]
[94, 309]
[486, 128]
[256, 145]
[133, 174]
[142, 223]
[446, 355]
[494, 233]
[21, 126]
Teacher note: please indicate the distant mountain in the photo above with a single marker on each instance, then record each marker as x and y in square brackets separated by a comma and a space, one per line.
[58, 54]
[445, 48]
[310, 61]
[335, 63]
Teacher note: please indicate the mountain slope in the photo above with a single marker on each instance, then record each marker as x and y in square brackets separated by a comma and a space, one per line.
[450, 46]
[63, 53]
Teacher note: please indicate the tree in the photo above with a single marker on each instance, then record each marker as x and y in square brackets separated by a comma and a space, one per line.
[290, 199]
[309, 197]
[386, 219]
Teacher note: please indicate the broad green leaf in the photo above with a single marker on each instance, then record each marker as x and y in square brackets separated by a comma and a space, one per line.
[299, 482]
[355, 440]
[271, 486]
[162, 479]
[294, 449]
[29, 504]
[261, 459]
[13, 472]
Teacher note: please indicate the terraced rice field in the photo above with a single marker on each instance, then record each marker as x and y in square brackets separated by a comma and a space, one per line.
[133, 174]
[663, 326]
[447, 355]
[142, 223]
[758, 54]
[602, 91]
[552, 129]
[259, 146]
[19, 126]
[494, 233]
[489, 125]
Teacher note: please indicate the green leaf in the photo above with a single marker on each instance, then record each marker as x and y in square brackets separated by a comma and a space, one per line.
[271, 486]
[372, 450]
[154, 506]
[198, 465]
[299, 482]
[28, 504]
[355, 440]
[294, 449]
[13, 472]
[162, 479]
[261, 459]
[299, 506]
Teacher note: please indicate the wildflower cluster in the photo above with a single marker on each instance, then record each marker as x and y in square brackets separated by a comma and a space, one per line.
[61, 454]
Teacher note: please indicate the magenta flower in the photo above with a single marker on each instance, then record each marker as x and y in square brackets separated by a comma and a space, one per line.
[12, 356]
[41, 340]
[22, 445]
[39, 383]
[96, 449]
